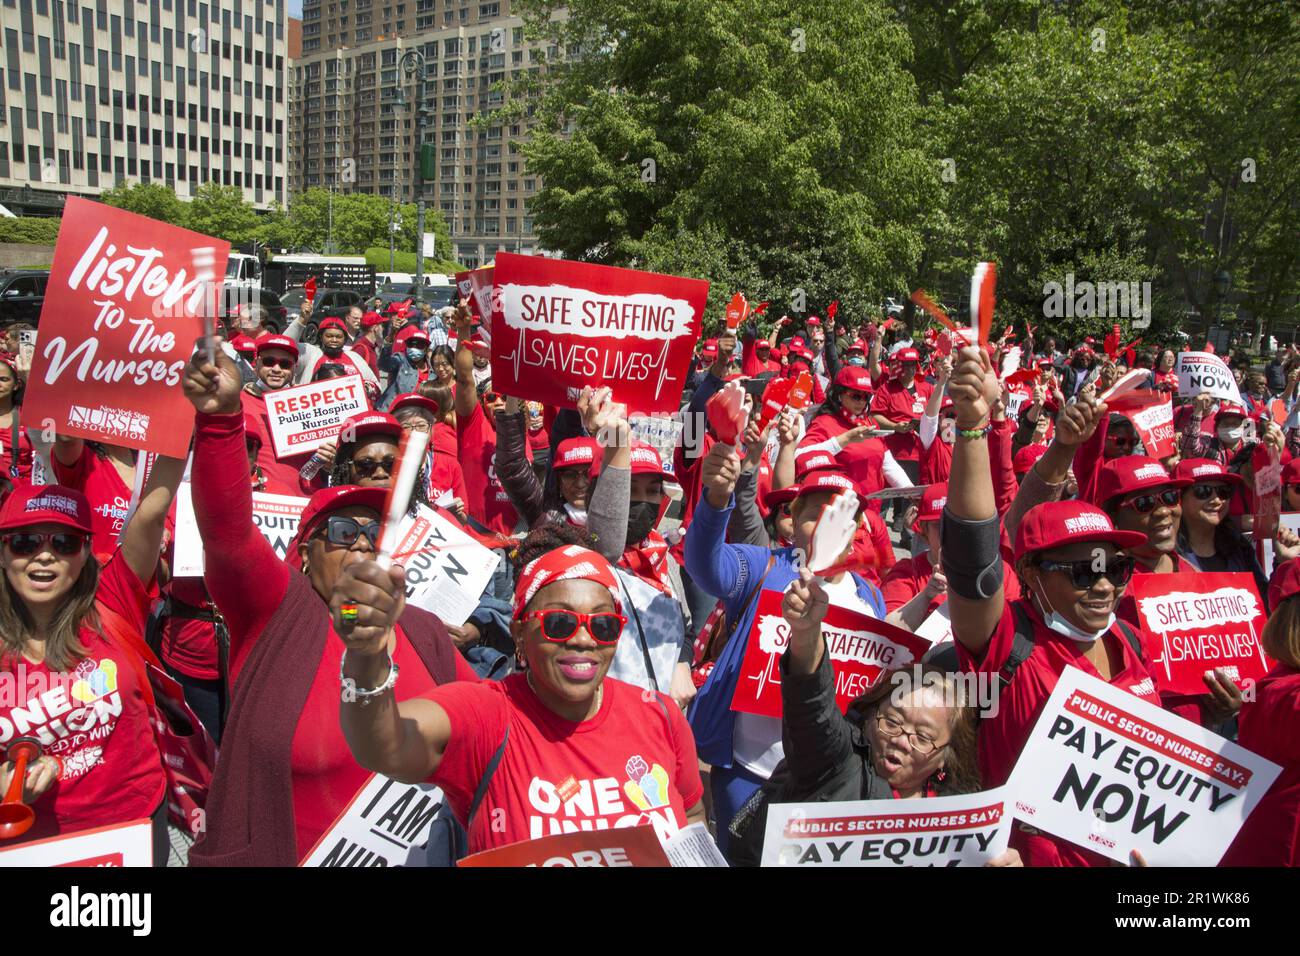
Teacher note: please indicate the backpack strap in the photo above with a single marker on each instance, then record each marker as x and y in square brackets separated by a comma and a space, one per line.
[481, 790]
[1130, 635]
[13, 444]
[1022, 645]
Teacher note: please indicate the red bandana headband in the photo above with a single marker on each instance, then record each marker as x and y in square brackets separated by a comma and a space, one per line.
[572, 562]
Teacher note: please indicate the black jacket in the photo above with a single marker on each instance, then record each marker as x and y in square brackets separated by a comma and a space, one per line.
[827, 758]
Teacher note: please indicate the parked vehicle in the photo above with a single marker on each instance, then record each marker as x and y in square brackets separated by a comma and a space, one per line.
[329, 303]
[22, 294]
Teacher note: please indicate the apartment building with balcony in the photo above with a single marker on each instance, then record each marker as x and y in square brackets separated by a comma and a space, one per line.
[349, 131]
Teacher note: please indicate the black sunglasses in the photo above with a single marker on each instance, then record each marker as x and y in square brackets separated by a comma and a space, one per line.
[1083, 575]
[1145, 504]
[284, 363]
[490, 397]
[365, 467]
[24, 544]
[1205, 492]
[343, 532]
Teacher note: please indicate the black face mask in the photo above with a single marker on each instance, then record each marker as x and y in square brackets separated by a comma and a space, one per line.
[642, 516]
[333, 352]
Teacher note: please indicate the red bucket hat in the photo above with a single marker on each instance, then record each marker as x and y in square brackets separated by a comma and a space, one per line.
[1055, 523]
[1130, 473]
[29, 505]
[329, 500]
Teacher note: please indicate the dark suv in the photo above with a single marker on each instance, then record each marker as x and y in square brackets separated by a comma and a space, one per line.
[22, 293]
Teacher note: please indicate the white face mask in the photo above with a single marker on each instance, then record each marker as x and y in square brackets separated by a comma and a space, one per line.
[1230, 436]
[1060, 625]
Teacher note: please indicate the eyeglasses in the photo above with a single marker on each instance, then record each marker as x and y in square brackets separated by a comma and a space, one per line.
[1084, 574]
[490, 397]
[284, 363]
[1145, 504]
[24, 544]
[415, 424]
[1207, 491]
[1123, 441]
[344, 532]
[892, 728]
[855, 395]
[559, 625]
[365, 467]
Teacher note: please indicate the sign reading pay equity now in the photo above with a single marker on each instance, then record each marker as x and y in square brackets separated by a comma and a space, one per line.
[558, 326]
[123, 307]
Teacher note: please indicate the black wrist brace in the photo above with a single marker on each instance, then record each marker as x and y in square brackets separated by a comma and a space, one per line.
[972, 555]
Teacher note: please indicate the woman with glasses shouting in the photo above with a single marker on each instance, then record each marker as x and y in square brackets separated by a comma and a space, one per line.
[555, 746]
[285, 773]
[1072, 566]
[900, 740]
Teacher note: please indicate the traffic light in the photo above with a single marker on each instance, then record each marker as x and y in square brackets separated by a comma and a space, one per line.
[428, 159]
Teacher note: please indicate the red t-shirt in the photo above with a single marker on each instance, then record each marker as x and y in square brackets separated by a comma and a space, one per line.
[95, 720]
[1269, 725]
[187, 644]
[364, 348]
[341, 359]
[908, 578]
[24, 451]
[936, 461]
[899, 404]
[1002, 737]
[863, 461]
[634, 762]
[98, 479]
[488, 502]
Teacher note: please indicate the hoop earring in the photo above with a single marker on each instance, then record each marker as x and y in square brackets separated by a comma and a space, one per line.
[521, 662]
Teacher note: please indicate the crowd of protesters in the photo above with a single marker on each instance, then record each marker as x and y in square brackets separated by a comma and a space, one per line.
[614, 629]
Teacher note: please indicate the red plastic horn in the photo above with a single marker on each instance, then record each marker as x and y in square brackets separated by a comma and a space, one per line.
[16, 818]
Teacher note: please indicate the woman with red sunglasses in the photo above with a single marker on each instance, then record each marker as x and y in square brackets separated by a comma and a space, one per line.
[559, 744]
[285, 774]
[68, 628]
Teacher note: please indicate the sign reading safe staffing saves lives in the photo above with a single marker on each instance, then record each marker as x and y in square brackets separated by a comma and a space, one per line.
[123, 307]
[558, 326]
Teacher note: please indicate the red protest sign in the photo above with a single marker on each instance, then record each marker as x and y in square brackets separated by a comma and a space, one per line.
[737, 309]
[1152, 414]
[309, 289]
[801, 392]
[775, 396]
[558, 326]
[861, 648]
[1201, 621]
[622, 846]
[475, 286]
[123, 306]
[832, 310]
[727, 413]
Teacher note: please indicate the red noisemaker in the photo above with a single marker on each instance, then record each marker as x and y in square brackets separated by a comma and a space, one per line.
[16, 818]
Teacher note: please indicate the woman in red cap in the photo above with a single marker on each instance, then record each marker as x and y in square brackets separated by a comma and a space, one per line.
[423, 412]
[1207, 538]
[844, 429]
[1068, 615]
[897, 407]
[15, 446]
[285, 773]
[1269, 725]
[556, 747]
[68, 629]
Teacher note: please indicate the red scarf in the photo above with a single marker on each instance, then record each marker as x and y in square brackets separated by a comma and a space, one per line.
[649, 562]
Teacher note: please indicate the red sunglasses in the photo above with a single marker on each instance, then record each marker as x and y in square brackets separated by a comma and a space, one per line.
[559, 625]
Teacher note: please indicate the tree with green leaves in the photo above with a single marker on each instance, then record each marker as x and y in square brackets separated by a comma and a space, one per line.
[148, 199]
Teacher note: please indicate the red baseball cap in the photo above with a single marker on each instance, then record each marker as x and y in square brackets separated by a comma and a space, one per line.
[243, 344]
[827, 480]
[1285, 583]
[328, 500]
[812, 460]
[417, 334]
[646, 461]
[29, 505]
[762, 344]
[799, 352]
[1130, 473]
[577, 451]
[813, 320]
[853, 377]
[371, 319]
[779, 496]
[1230, 408]
[332, 322]
[364, 424]
[710, 349]
[1291, 472]
[930, 507]
[857, 345]
[1204, 469]
[906, 355]
[1027, 457]
[413, 400]
[1055, 523]
[268, 341]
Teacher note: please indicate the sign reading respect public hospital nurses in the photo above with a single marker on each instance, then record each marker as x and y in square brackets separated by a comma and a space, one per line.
[307, 416]
[965, 830]
[1202, 621]
[123, 307]
[1206, 373]
[558, 326]
[1108, 771]
[861, 649]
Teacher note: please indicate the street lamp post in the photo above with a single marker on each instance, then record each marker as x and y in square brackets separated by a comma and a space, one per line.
[412, 64]
[1222, 284]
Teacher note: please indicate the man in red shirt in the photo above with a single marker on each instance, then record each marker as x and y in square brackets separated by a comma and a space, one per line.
[276, 358]
[897, 407]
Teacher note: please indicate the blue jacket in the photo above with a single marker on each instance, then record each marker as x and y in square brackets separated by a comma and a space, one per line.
[403, 377]
[730, 571]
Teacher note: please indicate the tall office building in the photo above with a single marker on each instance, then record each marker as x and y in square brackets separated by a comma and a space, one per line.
[349, 130]
[169, 91]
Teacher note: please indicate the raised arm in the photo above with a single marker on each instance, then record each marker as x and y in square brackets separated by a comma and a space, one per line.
[972, 562]
[141, 540]
[466, 390]
[607, 507]
[514, 470]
